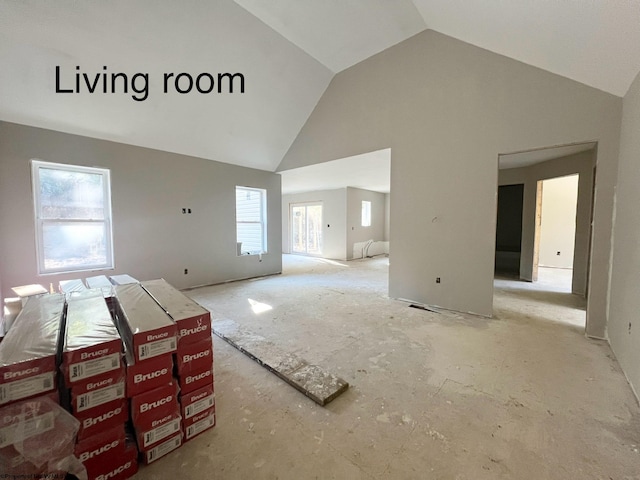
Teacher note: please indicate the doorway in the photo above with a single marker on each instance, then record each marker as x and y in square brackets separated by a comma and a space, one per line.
[306, 228]
[555, 236]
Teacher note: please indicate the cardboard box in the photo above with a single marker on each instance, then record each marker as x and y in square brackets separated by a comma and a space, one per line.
[160, 429]
[68, 286]
[194, 357]
[153, 405]
[96, 420]
[92, 344]
[196, 402]
[193, 321]
[148, 375]
[146, 329]
[195, 380]
[199, 423]
[123, 279]
[100, 452]
[163, 449]
[122, 467]
[102, 283]
[98, 391]
[28, 353]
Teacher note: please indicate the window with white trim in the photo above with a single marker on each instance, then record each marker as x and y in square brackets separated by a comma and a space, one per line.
[251, 220]
[73, 217]
[366, 213]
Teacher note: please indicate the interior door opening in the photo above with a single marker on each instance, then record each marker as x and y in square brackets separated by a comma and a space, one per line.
[306, 228]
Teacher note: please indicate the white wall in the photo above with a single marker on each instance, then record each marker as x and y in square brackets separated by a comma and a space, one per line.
[152, 238]
[558, 221]
[447, 109]
[624, 308]
[355, 231]
[334, 220]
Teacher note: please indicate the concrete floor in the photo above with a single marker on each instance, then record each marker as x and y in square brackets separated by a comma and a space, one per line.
[433, 396]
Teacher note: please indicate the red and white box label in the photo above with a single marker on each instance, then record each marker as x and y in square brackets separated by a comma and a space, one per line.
[194, 381]
[153, 405]
[193, 357]
[160, 429]
[102, 418]
[27, 387]
[98, 391]
[91, 368]
[201, 422]
[198, 401]
[163, 449]
[147, 375]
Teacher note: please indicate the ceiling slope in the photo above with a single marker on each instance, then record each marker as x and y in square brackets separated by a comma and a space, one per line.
[255, 128]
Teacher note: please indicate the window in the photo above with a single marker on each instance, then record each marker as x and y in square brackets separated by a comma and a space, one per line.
[73, 217]
[366, 213]
[251, 220]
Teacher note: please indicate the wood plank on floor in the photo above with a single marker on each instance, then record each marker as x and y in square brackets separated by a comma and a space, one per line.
[314, 382]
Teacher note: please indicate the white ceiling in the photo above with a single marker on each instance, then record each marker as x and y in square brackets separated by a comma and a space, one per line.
[531, 157]
[288, 51]
[369, 171]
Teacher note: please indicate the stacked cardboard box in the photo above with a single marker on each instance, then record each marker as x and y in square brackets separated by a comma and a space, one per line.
[29, 352]
[194, 356]
[150, 338]
[94, 379]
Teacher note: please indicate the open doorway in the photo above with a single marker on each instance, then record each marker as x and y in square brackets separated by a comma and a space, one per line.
[556, 204]
[551, 275]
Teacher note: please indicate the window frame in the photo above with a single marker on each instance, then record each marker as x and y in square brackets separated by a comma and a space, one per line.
[40, 222]
[365, 221]
[263, 218]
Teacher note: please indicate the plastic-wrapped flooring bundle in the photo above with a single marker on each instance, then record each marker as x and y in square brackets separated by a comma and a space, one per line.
[38, 436]
[28, 353]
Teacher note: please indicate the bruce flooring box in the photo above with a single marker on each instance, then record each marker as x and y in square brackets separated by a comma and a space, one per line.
[193, 321]
[92, 344]
[145, 328]
[28, 353]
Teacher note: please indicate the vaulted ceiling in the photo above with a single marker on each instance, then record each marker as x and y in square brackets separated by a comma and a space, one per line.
[287, 50]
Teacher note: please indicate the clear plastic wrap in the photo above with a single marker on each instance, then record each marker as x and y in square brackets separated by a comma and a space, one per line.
[37, 435]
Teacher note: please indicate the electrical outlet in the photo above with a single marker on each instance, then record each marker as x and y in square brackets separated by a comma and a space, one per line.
[189, 212]
[184, 210]
[558, 253]
[437, 279]
[186, 271]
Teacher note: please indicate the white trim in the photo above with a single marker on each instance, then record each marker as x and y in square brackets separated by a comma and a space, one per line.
[36, 165]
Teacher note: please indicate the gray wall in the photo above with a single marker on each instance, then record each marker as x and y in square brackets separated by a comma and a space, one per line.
[152, 238]
[355, 231]
[624, 324]
[387, 216]
[582, 164]
[334, 231]
[447, 109]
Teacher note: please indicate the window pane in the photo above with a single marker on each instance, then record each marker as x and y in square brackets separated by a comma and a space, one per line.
[76, 246]
[248, 205]
[366, 213]
[66, 194]
[250, 234]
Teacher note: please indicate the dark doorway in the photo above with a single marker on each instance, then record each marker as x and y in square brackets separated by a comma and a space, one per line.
[509, 229]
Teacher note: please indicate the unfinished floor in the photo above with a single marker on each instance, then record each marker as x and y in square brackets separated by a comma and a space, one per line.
[433, 395]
